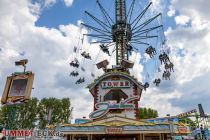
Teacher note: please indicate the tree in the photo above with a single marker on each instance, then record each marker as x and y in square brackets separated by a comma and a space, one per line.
[141, 113]
[35, 113]
[3, 114]
[54, 111]
[27, 114]
[189, 121]
[147, 113]
[67, 112]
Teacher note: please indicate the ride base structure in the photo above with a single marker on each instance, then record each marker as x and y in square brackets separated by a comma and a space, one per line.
[115, 114]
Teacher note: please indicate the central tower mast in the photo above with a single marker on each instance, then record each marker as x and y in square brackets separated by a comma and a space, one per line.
[121, 31]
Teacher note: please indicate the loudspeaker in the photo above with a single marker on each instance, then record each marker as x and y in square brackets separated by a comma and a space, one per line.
[127, 63]
[102, 64]
[21, 62]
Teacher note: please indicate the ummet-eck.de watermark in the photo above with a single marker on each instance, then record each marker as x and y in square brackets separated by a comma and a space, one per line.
[32, 133]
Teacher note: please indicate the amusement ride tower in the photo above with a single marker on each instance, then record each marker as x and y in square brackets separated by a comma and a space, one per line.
[116, 92]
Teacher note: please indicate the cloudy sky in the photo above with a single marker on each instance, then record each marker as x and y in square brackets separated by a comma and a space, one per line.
[46, 31]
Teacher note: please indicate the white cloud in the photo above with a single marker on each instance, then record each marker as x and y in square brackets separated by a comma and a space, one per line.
[193, 8]
[160, 101]
[40, 5]
[49, 3]
[34, 8]
[171, 12]
[68, 2]
[158, 5]
[182, 20]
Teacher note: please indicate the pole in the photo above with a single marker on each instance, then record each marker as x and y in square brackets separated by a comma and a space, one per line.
[11, 119]
[171, 127]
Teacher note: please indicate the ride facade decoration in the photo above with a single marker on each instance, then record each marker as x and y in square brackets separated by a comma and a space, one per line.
[115, 93]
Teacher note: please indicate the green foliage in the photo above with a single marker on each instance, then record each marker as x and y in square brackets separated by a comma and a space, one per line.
[3, 115]
[147, 113]
[188, 121]
[59, 109]
[27, 114]
[35, 113]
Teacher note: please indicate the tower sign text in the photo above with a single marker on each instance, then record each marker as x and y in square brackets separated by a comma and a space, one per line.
[116, 84]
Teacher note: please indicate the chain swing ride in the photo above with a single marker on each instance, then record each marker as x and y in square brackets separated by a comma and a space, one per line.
[131, 33]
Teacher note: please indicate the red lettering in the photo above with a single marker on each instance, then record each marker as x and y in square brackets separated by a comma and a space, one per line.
[29, 133]
[5, 133]
[12, 133]
[182, 130]
[17, 133]
[109, 84]
[127, 83]
[115, 84]
[20, 133]
[114, 130]
[104, 84]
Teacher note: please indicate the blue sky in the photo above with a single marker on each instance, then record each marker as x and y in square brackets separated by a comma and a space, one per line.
[58, 13]
[46, 31]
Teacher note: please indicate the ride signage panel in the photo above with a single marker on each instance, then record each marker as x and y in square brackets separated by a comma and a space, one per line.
[182, 130]
[18, 88]
[115, 84]
[114, 130]
[103, 108]
[187, 113]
